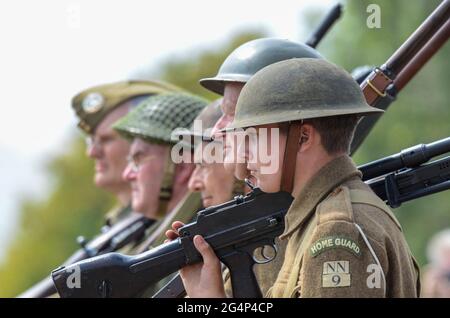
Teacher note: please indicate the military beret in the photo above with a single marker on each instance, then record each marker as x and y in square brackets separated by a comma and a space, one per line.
[93, 104]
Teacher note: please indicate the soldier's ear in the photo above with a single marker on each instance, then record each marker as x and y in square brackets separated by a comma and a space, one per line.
[183, 172]
[304, 137]
[307, 137]
[305, 134]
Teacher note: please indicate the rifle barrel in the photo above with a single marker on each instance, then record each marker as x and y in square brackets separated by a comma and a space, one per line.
[407, 158]
[325, 25]
[421, 58]
[418, 39]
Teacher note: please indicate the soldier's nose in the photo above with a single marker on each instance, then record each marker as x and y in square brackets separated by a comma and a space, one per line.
[195, 179]
[195, 184]
[220, 124]
[129, 174]
[93, 151]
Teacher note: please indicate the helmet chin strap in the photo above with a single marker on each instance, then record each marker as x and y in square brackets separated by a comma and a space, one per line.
[293, 133]
[238, 187]
[165, 192]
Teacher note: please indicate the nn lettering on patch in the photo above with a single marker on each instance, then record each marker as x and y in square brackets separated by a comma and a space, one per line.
[336, 274]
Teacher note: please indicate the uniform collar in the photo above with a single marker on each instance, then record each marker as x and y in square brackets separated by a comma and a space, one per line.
[321, 184]
[117, 213]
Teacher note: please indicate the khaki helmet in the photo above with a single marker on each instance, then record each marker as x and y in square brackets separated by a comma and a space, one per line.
[252, 56]
[298, 89]
[92, 105]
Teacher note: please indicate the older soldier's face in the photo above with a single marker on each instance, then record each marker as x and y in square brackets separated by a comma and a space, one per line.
[230, 97]
[109, 151]
[213, 181]
[145, 173]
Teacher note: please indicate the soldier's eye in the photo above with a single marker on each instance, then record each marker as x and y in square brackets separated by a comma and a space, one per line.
[106, 139]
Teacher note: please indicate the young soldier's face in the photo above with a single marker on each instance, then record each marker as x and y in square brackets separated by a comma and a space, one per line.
[145, 174]
[230, 97]
[264, 156]
[109, 151]
[213, 181]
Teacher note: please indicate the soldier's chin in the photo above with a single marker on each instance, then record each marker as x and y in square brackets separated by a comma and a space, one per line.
[229, 167]
[137, 205]
[240, 171]
[101, 180]
[207, 202]
[267, 186]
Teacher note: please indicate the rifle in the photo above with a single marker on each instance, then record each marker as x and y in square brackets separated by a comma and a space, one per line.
[384, 83]
[125, 231]
[233, 229]
[325, 25]
[405, 177]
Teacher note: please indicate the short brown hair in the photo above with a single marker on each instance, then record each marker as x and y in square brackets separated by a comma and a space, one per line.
[336, 132]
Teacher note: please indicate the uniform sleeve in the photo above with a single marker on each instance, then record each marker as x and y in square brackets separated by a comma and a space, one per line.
[337, 262]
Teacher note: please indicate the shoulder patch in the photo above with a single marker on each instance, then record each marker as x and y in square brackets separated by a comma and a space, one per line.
[336, 274]
[333, 242]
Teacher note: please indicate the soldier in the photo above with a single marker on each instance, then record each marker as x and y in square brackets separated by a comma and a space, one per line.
[236, 70]
[158, 184]
[343, 241]
[97, 109]
[210, 178]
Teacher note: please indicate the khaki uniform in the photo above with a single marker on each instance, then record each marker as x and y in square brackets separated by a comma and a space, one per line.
[117, 214]
[343, 241]
[155, 235]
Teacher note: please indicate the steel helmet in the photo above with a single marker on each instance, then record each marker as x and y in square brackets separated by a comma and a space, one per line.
[252, 56]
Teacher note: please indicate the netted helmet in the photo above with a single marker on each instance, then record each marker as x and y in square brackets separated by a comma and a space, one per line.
[202, 126]
[157, 117]
[154, 120]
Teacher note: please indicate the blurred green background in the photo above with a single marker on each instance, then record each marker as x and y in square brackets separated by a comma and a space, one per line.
[73, 207]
